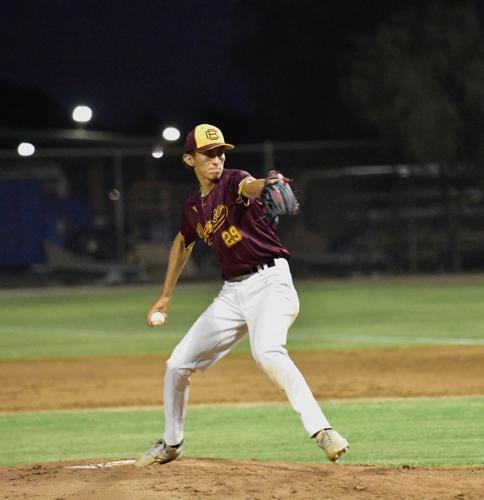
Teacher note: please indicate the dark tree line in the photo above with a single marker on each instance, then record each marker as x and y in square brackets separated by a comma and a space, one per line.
[296, 56]
[29, 107]
[419, 82]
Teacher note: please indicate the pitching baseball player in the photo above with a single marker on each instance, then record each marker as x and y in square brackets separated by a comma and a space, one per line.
[233, 213]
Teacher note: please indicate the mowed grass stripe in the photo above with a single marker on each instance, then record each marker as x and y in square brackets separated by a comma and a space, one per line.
[334, 315]
[417, 432]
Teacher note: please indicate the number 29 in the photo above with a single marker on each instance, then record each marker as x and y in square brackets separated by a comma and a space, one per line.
[231, 236]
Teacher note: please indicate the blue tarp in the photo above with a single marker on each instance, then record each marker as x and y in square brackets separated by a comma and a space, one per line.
[22, 222]
[28, 217]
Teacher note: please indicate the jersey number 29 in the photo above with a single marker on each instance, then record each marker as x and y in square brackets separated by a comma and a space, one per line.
[231, 236]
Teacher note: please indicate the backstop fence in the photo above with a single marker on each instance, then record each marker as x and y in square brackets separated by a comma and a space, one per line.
[360, 213]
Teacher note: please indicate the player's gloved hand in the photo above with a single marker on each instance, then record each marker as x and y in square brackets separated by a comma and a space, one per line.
[278, 197]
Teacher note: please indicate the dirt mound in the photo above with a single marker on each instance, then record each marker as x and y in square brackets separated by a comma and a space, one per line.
[124, 381]
[137, 381]
[222, 479]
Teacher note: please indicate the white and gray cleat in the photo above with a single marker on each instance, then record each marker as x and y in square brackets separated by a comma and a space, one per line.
[332, 443]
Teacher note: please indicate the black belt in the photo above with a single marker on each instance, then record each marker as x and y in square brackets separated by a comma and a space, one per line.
[252, 270]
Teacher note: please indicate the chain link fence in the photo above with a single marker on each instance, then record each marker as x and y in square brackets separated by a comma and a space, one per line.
[110, 214]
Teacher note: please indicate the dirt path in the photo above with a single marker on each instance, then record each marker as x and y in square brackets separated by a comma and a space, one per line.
[137, 381]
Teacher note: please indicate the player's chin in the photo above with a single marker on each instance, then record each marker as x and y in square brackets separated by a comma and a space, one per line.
[216, 174]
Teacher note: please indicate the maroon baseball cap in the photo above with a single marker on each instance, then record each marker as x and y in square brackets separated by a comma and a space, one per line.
[204, 137]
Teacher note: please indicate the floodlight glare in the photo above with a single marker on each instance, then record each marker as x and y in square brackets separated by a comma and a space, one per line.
[82, 114]
[157, 152]
[25, 149]
[171, 134]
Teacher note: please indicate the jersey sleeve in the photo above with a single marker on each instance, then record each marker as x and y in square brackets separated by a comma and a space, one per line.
[187, 228]
[236, 182]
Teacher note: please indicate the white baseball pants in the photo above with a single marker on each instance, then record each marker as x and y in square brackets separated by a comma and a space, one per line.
[264, 306]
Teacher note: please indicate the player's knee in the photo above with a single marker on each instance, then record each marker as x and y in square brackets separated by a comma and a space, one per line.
[273, 364]
[177, 370]
[265, 357]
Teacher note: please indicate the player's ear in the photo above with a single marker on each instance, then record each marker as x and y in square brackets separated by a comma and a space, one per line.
[188, 160]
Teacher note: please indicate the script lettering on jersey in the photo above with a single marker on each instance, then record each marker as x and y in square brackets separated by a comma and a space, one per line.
[207, 230]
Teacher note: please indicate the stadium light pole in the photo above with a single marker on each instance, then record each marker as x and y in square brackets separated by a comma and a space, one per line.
[157, 152]
[82, 115]
[171, 134]
[25, 149]
[119, 222]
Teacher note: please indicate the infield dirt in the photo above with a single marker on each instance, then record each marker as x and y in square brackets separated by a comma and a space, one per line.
[376, 373]
[137, 381]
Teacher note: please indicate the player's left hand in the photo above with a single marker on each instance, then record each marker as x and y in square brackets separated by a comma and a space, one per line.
[278, 197]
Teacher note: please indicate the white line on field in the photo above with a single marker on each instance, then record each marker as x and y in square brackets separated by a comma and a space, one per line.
[63, 330]
[167, 333]
[116, 463]
[388, 339]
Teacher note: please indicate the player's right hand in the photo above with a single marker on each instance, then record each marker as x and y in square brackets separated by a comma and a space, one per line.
[162, 305]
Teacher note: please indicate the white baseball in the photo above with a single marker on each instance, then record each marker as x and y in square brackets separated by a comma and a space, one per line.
[157, 318]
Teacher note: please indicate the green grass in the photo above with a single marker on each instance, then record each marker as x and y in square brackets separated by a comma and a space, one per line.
[352, 314]
[334, 315]
[415, 432]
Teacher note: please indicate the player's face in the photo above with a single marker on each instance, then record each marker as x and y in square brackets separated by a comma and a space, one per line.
[209, 164]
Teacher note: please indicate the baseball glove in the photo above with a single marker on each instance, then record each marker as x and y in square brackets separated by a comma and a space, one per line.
[278, 197]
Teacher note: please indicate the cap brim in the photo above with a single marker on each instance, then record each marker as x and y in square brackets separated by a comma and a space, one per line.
[208, 147]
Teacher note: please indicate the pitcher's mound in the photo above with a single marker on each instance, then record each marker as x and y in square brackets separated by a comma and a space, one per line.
[222, 479]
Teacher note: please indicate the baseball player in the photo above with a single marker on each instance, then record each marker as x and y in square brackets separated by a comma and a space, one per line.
[257, 299]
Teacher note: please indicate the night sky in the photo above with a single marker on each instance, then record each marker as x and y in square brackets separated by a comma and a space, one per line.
[124, 58]
[251, 65]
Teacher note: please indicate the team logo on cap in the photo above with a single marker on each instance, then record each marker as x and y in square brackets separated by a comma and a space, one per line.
[212, 134]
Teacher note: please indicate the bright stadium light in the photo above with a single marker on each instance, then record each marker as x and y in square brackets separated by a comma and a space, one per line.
[82, 114]
[157, 152]
[171, 134]
[25, 149]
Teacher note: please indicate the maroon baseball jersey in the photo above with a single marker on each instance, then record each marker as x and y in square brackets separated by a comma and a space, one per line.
[232, 225]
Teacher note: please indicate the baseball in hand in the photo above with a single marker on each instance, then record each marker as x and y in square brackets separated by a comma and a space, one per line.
[157, 318]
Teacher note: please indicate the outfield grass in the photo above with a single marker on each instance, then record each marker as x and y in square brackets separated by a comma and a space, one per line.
[352, 314]
[415, 432]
